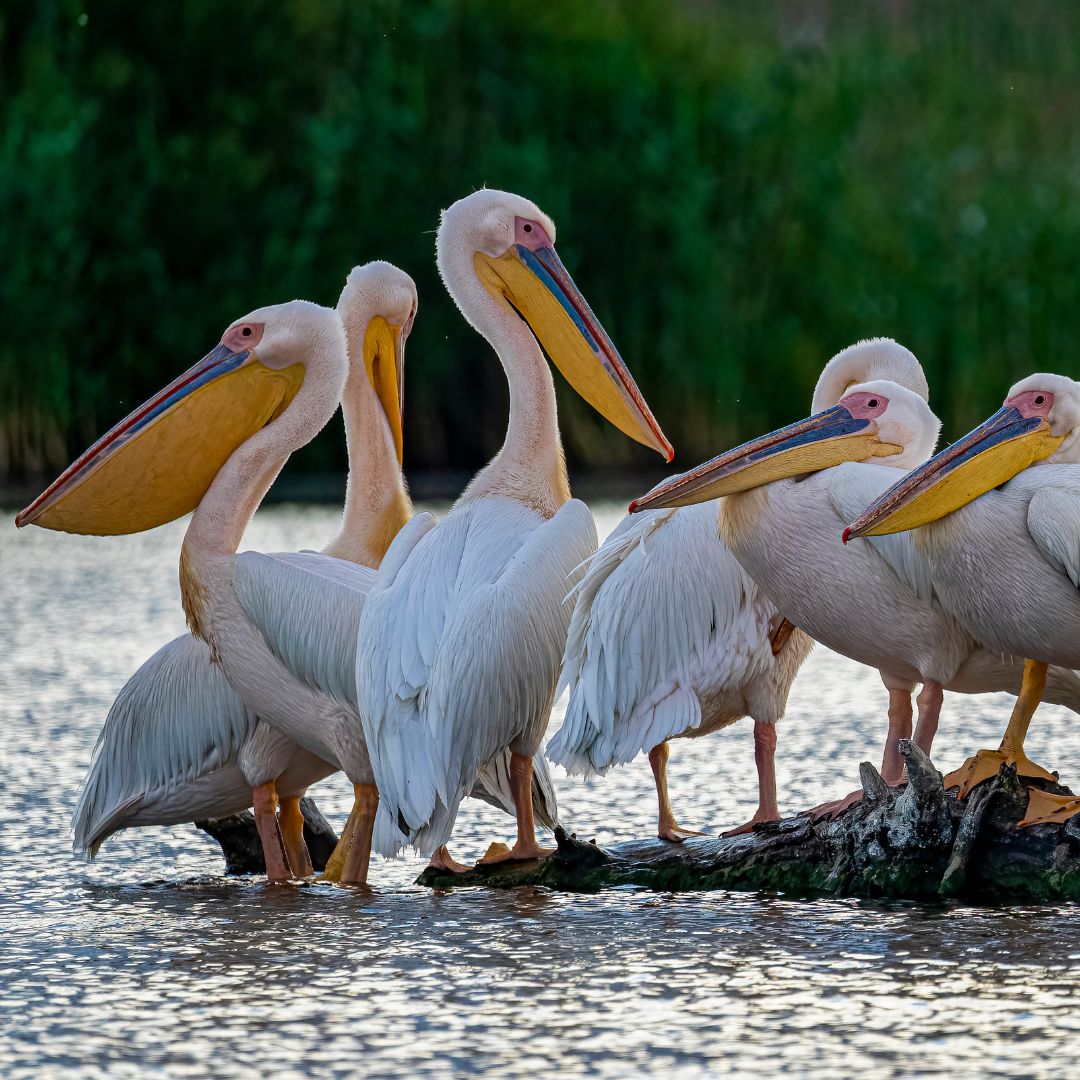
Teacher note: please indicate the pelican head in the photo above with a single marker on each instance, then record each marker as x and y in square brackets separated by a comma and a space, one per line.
[1039, 421]
[157, 463]
[380, 343]
[496, 251]
[877, 416]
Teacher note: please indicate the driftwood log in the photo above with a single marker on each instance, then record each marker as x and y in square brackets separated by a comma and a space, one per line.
[240, 844]
[916, 842]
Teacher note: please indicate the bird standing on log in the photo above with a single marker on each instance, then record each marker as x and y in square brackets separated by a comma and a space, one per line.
[789, 495]
[996, 516]
[179, 744]
[459, 650]
[282, 629]
[670, 639]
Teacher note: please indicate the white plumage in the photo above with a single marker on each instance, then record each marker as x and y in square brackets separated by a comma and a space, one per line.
[179, 744]
[670, 638]
[457, 656]
[876, 601]
[458, 652]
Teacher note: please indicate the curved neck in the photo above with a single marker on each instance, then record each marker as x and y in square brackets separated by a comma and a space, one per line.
[531, 466]
[223, 513]
[376, 502]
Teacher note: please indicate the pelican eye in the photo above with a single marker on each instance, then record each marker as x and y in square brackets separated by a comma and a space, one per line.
[246, 331]
[1039, 399]
[527, 227]
[872, 403]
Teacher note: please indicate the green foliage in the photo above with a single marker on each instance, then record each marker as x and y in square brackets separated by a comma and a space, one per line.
[738, 196]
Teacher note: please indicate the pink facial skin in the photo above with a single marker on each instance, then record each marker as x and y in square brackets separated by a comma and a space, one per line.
[243, 336]
[531, 234]
[865, 406]
[1032, 403]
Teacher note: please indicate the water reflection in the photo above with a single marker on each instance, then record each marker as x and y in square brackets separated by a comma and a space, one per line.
[149, 960]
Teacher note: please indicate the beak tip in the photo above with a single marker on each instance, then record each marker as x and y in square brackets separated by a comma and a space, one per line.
[846, 535]
[632, 508]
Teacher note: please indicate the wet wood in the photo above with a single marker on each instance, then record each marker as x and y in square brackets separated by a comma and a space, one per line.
[917, 842]
[240, 841]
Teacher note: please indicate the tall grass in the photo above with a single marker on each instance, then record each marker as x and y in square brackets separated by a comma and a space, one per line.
[738, 193]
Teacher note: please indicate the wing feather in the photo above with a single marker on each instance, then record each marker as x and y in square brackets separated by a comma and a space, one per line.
[459, 655]
[852, 488]
[1053, 520]
[308, 608]
[663, 611]
[175, 719]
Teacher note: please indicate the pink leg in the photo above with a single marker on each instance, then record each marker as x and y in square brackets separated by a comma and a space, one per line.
[526, 846]
[765, 760]
[929, 702]
[667, 828]
[892, 764]
[265, 802]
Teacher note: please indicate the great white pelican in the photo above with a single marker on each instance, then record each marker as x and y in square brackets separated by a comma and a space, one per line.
[282, 628]
[788, 496]
[459, 648]
[996, 515]
[671, 639]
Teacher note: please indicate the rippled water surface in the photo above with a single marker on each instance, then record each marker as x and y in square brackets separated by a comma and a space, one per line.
[150, 961]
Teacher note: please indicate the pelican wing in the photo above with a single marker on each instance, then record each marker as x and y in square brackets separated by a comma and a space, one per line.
[1053, 520]
[307, 607]
[852, 488]
[664, 610]
[175, 719]
[458, 651]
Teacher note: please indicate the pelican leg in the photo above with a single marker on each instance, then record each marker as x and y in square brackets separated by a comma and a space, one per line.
[265, 803]
[986, 763]
[668, 828]
[355, 840]
[765, 760]
[900, 714]
[929, 701]
[525, 847]
[291, 823]
[443, 860]
[358, 849]
[892, 764]
[336, 863]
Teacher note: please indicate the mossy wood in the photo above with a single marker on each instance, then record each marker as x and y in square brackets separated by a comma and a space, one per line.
[914, 843]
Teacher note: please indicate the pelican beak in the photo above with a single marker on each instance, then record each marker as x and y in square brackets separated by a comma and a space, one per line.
[384, 357]
[157, 463]
[820, 442]
[983, 459]
[534, 282]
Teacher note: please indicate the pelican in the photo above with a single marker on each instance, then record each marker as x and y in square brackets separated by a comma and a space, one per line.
[179, 744]
[788, 497]
[999, 512]
[282, 629]
[458, 653]
[670, 638]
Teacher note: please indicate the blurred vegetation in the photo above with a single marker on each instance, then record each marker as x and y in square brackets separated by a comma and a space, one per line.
[741, 189]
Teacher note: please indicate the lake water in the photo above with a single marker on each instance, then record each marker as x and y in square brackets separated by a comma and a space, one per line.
[150, 962]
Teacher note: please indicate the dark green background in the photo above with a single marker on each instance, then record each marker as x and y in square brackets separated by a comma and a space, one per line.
[740, 189]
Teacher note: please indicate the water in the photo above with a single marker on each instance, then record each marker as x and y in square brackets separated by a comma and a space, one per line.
[148, 961]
